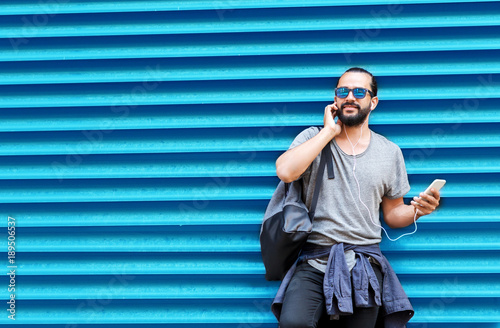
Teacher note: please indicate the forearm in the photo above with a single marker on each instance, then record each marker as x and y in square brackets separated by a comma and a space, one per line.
[294, 162]
[401, 216]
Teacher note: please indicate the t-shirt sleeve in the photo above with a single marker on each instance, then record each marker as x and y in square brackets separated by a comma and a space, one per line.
[399, 185]
[304, 136]
[300, 139]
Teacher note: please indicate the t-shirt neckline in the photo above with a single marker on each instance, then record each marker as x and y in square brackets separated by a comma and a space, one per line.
[357, 155]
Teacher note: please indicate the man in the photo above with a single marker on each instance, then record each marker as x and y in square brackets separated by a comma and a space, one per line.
[369, 174]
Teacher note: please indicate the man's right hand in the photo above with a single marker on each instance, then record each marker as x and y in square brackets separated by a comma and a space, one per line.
[291, 164]
[329, 120]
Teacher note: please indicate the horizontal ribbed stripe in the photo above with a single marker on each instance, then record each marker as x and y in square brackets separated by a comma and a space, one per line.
[140, 263]
[122, 97]
[26, 7]
[78, 144]
[149, 286]
[135, 190]
[207, 213]
[151, 311]
[247, 67]
[241, 164]
[451, 286]
[236, 44]
[271, 117]
[267, 325]
[432, 262]
[444, 161]
[126, 265]
[449, 325]
[199, 212]
[462, 310]
[220, 287]
[370, 18]
[235, 312]
[184, 325]
[462, 237]
[19, 191]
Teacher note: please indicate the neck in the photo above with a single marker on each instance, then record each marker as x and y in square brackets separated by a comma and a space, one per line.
[354, 139]
[355, 132]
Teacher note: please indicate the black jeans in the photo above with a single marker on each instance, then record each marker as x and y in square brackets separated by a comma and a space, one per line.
[304, 304]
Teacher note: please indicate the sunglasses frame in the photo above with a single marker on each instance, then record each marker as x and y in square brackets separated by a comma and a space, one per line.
[349, 90]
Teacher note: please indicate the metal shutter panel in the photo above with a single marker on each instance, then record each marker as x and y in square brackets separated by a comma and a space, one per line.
[138, 141]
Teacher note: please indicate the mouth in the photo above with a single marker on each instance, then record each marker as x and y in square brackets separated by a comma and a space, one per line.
[350, 107]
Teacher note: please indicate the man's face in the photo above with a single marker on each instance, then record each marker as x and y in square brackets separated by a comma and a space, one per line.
[352, 111]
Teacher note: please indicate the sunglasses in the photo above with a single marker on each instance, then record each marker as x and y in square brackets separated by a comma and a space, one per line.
[358, 93]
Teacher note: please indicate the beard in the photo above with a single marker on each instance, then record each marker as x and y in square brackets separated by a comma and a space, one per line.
[353, 120]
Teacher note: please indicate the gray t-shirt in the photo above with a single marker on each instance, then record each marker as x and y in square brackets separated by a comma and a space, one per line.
[340, 216]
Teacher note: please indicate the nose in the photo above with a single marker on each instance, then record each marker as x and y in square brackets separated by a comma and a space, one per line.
[350, 96]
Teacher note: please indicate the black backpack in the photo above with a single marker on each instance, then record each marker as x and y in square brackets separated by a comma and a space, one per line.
[287, 221]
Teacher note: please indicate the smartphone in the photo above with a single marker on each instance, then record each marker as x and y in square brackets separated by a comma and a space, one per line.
[436, 184]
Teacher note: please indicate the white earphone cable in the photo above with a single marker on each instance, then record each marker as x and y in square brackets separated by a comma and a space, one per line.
[359, 188]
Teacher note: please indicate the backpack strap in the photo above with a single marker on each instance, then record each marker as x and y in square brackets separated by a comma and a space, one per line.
[327, 152]
[326, 160]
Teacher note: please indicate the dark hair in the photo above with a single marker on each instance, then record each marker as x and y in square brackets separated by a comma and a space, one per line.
[373, 83]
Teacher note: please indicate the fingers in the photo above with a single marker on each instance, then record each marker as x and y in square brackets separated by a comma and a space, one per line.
[426, 204]
[329, 120]
[329, 115]
[332, 109]
[436, 194]
[333, 106]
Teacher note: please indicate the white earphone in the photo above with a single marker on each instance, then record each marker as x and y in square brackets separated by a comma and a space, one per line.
[359, 188]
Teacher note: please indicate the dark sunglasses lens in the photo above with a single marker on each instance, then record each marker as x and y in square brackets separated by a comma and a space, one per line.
[342, 92]
[359, 93]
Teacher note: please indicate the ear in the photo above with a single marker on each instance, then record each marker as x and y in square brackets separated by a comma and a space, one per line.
[373, 103]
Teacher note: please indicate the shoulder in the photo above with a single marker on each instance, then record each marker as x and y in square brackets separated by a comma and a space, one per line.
[384, 144]
[305, 135]
[310, 132]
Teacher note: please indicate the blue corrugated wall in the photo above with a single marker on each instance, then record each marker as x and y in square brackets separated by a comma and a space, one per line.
[138, 140]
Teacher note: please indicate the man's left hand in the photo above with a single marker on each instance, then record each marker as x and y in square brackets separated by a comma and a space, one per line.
[426, 204]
